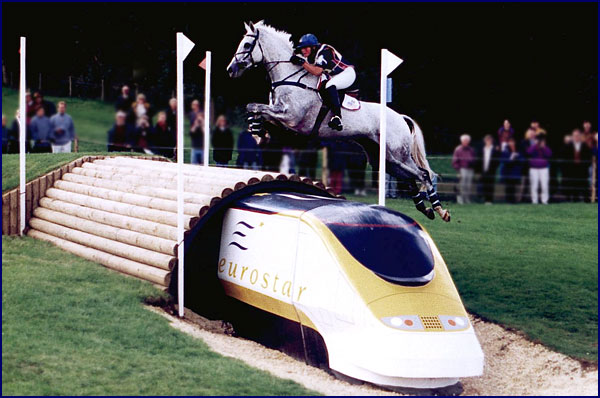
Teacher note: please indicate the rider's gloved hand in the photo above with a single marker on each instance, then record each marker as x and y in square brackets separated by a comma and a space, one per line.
[297, 60]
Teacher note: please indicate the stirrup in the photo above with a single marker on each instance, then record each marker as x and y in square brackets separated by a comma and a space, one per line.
[336, 123]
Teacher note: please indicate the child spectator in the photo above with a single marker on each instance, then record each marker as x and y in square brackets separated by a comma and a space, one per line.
[249, 154]
[197, 136]
[488, 163]
[463, 160]
[63, 130]
[505, 133]
[222, 142]
[141, 107]
[539, 175]
[512, 169]
[41, 129]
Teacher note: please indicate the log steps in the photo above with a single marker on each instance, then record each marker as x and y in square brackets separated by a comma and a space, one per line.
[122, 212]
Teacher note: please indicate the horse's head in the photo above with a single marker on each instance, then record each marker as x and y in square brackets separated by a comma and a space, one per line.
[248, 53]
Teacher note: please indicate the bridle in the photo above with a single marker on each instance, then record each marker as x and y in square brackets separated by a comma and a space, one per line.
[274, 85]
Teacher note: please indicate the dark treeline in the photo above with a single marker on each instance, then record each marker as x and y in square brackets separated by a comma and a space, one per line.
[467, 66]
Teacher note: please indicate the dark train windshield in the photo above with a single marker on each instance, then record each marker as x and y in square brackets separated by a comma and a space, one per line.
[388, 243]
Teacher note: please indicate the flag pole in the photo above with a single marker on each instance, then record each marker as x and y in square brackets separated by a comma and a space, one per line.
[382, 127]
[207, 109]
[22, 138]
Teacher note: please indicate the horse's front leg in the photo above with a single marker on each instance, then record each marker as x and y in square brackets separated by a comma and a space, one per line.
[271, 113]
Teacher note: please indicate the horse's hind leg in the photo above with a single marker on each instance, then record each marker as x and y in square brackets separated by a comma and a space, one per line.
[410, 176]
[433, 196]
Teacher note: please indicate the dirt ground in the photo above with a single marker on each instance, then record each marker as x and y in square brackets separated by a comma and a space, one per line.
[513, 365]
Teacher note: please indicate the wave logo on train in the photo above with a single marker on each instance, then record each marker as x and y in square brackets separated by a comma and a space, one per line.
[370, 281]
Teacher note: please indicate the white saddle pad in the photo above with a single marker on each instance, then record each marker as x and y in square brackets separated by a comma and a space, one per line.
[351, 103]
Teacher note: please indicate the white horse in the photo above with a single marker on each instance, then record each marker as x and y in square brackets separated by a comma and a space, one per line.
[295, 104]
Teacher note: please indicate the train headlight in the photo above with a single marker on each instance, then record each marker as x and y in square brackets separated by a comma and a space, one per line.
[404, 322]
[454, 322]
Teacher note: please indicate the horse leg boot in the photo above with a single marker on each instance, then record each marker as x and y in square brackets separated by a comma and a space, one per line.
[334, 99]
[433, 197]
[418, 198]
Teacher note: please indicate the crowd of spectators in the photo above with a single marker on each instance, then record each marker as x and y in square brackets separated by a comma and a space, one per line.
[529, 169]
[49, 127]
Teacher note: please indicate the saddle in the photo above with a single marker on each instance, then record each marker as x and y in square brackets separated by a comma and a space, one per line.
[349, 97]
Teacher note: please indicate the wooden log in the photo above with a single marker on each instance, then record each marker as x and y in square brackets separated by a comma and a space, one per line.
[130, 252]
[6, 214]
[210, 189]
[14, 212]
[35, 193]
[122, 235]
[169, 194]
[139, 270]
[131, 198]
[116, 220]
[28, 201]
[125, 209]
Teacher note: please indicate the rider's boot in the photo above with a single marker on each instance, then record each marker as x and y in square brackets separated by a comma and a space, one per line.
[334, 99]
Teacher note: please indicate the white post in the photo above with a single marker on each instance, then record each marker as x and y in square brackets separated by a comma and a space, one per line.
[180, 146]
[389, 62]
[184, 46]
[382, 128]
[207, 110]
[22, 138]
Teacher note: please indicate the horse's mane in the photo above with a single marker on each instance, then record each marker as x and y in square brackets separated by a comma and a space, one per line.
[283, 35]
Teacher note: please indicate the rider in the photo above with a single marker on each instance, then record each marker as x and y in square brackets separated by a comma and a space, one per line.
[323, 58]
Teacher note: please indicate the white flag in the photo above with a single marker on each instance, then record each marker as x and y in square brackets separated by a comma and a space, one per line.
[187, 46]
[390, 62]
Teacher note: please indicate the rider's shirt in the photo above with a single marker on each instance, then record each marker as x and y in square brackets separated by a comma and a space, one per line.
[331, 60]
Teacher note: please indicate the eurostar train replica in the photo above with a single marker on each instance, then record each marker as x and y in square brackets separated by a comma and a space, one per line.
[364, 288]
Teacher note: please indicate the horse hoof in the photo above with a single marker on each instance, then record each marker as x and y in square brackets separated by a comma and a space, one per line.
[430, 214]
[446, 216]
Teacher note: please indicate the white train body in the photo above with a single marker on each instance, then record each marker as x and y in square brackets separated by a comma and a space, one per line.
[285, 254]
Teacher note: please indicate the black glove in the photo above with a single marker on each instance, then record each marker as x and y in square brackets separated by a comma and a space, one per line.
[297, 60]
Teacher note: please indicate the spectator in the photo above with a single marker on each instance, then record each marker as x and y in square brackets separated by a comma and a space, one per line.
[163, 139]
[288, 161]
[307, 162]
[197, 135]
[535, 125]
[39, 101]
[30, 106]
[588, 133]
[222, 142]
[41, 129]
[6, 136]
[539, 175]
[141, 107]
[125, 100]
[512, 169]
[143, 135]
[195, 110]
[463, 160]
[172, 114]
[121, 135]
[577, 159]
[63, 130]
[336, 163]
[505, 133]
[488, 162]
[356, 163]
[249, 154]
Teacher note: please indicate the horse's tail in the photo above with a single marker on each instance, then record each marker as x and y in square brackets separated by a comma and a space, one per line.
[418, 146]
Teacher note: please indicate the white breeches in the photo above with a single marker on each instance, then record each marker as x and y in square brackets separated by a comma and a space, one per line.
[343, 79]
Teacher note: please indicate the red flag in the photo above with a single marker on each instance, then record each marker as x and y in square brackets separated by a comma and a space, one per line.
[203, 64]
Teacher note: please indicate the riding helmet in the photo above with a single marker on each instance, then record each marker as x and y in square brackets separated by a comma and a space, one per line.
[308, 40]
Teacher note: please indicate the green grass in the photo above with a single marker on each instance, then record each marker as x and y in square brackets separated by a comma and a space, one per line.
[532, 268]
[72, 327]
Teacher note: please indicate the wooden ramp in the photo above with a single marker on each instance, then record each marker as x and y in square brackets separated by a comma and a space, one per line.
[122, 212]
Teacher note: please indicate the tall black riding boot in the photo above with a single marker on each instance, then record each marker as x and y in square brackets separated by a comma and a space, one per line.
[334, 99]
